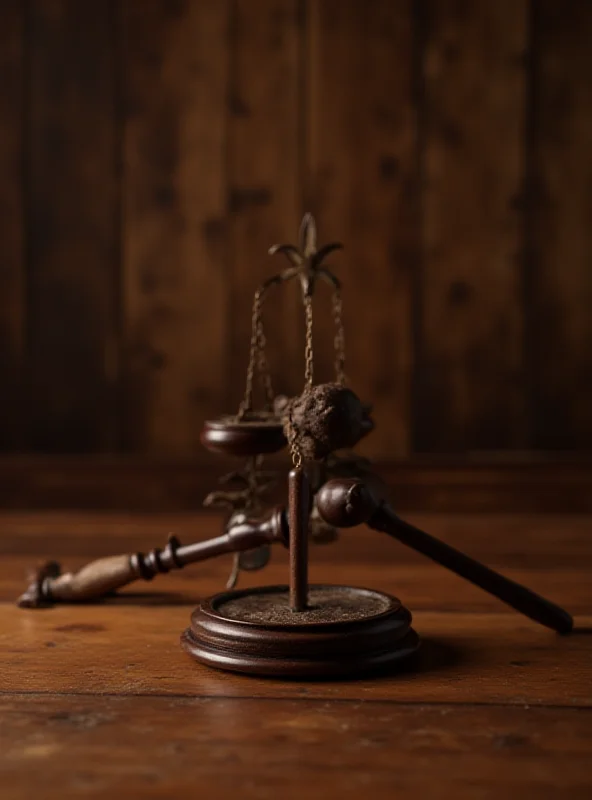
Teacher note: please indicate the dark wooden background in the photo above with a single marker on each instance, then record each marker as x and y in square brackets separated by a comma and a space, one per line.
[152, 150]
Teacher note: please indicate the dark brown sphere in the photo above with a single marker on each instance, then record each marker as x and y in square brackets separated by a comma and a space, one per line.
[345, 503]
[329, 417]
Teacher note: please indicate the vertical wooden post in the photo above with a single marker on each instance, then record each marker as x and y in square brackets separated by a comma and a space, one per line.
[298, 508]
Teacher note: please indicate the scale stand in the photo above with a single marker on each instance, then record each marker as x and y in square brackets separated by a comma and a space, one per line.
[320, 631]
[298, 630]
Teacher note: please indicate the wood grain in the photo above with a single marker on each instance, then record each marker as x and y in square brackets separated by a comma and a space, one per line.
[169, 484]
[560, 278]
[151, 151]
[466, 658]
[12, 251]
[468, 631]
[175, 263]
[421, 585]
[264, 183]
[528, 549]
[469, 387]
[100, 698]
[361, 179]
[73, 228]
[332, 749]
[517, 541]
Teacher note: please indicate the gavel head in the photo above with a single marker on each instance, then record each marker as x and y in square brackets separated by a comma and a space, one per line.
[345, 502]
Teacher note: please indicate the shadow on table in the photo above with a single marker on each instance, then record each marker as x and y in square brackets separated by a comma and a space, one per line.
[150, 599]
[582, 630]
[434, 655]
[139, 599]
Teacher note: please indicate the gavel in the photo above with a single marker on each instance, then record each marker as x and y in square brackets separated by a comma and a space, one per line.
[341, 503]
[347, 502]
[106, 575]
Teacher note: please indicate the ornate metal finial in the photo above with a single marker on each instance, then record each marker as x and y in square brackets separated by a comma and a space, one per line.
[306, 259]
[306, 264]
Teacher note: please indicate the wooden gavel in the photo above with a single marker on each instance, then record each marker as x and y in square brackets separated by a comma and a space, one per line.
[346, 502]
[342, 503]
[106, 575]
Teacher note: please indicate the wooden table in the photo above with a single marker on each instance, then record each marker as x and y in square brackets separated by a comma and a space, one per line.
[99, 701]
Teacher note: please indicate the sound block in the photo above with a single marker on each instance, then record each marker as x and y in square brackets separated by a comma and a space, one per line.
[345, 631]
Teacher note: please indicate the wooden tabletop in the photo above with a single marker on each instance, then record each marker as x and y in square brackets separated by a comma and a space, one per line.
[100, 701]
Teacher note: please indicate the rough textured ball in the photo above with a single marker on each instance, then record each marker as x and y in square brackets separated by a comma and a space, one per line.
[329, 417]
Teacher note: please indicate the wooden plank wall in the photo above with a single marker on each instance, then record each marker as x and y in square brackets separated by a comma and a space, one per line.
[175, 273]
[469, 355]
[12, 245]
[71, 226]
[152, 150]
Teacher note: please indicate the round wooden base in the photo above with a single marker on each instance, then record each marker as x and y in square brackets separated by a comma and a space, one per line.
[345, 631]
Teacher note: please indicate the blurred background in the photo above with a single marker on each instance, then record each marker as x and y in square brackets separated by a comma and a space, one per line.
[152, 150]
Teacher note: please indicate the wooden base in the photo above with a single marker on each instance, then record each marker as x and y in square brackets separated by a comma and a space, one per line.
[344, 631]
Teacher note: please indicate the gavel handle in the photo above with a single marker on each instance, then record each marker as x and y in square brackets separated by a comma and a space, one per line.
[518, 597]
[349, 501]
[106, 575]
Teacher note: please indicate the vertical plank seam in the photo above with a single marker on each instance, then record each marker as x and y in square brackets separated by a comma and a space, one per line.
[528, 259]
[419, 13]
[303, 190]
[26, 178]
[309, 89]
[118, 288]
[231, 250]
